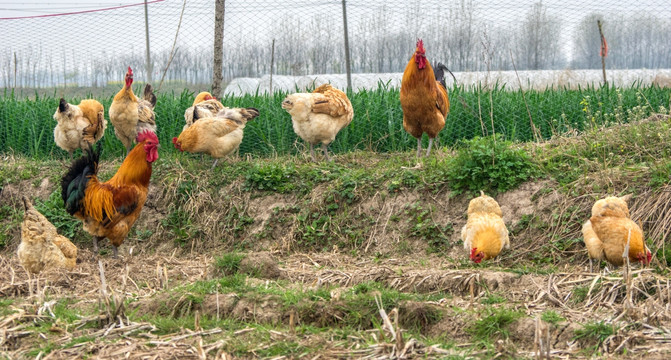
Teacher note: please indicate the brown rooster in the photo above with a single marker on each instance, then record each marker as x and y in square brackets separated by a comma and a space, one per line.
[130, 115]
[423, 98]
[109, 209]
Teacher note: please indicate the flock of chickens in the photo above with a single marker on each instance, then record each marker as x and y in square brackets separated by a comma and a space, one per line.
[109, 209]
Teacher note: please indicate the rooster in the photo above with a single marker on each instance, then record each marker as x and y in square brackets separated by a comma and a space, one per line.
[42, 248]
[208, 107]
[79, 126]
[109, 209]
[423, 98]
[609, 229]
[317, 117]
[217, 136]
[485, 234]
[130, 115]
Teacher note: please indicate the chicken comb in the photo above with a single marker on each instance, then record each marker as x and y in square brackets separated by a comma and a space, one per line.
[473, 252]
[130, 71]
[146, 135]
[420, 46]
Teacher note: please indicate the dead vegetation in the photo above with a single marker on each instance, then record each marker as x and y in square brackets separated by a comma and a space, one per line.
[354, 259]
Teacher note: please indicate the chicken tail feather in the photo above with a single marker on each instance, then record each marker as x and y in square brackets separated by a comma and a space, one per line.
[149, 95]
[439, 73]
[75, 181]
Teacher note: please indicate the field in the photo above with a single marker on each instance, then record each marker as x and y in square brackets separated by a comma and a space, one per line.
[27, 124]
[279, 257]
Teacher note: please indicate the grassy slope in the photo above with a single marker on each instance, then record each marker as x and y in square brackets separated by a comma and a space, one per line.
[323, 207]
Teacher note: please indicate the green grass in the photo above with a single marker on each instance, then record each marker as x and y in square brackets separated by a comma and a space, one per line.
[493, 324]
[26, 124]
[595, 333]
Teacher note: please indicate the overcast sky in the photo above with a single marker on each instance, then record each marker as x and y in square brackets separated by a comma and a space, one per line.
[118, 32]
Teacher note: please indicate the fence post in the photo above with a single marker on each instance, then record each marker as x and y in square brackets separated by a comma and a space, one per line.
[217, 71]
[604, 52]
[148, 66]
[347, 60]
[272, 62]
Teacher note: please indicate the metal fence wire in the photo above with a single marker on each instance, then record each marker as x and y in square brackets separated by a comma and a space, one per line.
[273, 47]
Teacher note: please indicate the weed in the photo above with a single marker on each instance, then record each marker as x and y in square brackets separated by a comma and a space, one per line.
[229, 263]
[271, 176]
[423, 227]
[178, 222]
[54, 210]
[494, 323]
[493, 299]
[489, 164]
[595, 332]
[552, 317]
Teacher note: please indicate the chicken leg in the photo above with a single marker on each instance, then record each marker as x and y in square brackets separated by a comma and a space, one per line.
[419, 147]
[428, 150]
[312, 153]
[326, 152]
[214, 164]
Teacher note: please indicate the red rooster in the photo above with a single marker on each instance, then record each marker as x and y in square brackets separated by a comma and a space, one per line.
[109, 209]
[423, 98]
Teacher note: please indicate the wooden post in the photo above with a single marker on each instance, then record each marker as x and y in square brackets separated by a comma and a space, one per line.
[272, 62]
[346, 36]
[603, 52]
[148, 66]
[217, 72]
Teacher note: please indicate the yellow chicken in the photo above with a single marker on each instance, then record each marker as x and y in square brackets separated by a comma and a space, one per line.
[208, 107]
[485, 234]
[42, 248]
[317, 117]
[217, 136]
[609, 229]
[130, 115]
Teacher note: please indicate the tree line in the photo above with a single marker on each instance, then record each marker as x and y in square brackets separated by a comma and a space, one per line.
[378, 42]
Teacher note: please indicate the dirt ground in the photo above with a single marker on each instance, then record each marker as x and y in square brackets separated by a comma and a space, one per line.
[118, 308]
[143, 283]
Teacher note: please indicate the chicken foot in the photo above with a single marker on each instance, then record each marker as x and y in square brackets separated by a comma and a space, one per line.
[214, 164]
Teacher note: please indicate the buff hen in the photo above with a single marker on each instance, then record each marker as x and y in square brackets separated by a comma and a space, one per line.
[609, 229]
[317, 117]
[485, 234]
[42, 248]
[79, 126]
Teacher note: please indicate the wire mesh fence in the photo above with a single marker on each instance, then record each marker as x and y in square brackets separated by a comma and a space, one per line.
[274, 47]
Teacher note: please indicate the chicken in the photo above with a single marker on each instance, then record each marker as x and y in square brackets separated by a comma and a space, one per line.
[317, 117]
[42, 248]
[423, 98]
[203, 96]
[208, 107]
[485, 234]
[79, 126]
[217, 136]
[130, 115]
[609, 229]
[109, 209]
